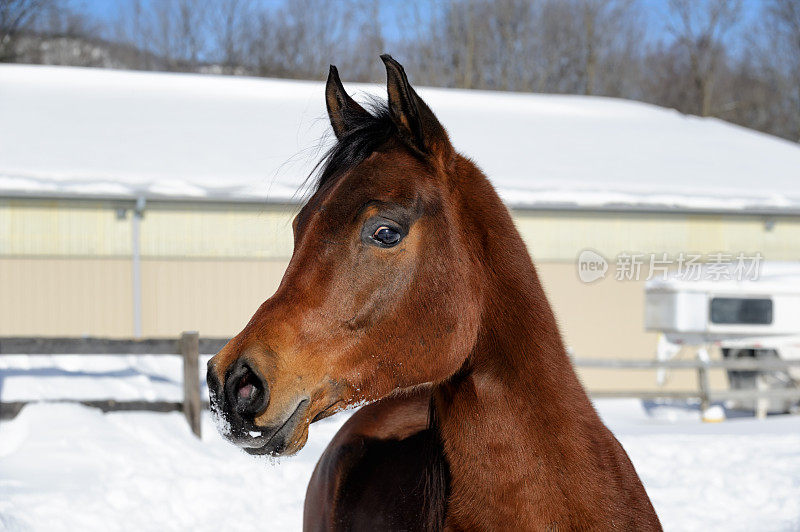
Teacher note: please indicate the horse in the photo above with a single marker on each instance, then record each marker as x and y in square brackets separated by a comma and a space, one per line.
[410, 291]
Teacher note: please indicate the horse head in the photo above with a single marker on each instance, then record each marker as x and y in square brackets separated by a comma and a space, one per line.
[381, 294]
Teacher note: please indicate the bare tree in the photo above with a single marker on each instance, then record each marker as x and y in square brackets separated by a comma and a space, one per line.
[170, 34]
[229, 25]
[301, 38]
[58, 19]
[422, 48]
[562, 46]
[366, 41]
[17, 16]
[298, 40]
[473, 44]
[177, 29]
[781, 59]
[699, 30]
[611, 32]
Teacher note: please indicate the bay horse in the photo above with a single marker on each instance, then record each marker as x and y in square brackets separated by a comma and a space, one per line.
[410, 290]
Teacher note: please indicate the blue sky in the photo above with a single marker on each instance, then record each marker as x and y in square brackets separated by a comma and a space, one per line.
[656, 13]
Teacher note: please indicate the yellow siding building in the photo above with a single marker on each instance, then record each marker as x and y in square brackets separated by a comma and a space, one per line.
[213, 235]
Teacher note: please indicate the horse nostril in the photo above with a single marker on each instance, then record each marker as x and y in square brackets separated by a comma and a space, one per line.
[246, 390]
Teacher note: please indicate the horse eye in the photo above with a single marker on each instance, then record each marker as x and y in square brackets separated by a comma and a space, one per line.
[386, 236]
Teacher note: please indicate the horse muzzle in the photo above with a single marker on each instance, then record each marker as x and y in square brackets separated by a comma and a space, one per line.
[238, 401]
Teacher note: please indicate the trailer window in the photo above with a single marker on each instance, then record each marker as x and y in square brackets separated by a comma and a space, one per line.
[731, 310]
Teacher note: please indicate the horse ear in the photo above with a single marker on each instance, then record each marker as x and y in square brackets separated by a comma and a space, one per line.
[343, 111]
[414, 119]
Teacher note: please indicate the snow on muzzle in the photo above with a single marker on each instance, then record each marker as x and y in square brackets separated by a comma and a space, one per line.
[237, 402]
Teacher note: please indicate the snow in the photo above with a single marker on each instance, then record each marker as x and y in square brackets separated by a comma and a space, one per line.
[91, 132]
[741, 474]
[94, 377]
[768, 277]
[70, 467]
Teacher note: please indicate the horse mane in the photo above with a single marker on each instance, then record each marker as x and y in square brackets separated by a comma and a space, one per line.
[368, 133]
[436, 487]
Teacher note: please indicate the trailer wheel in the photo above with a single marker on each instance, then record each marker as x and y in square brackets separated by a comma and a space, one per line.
[747, 380]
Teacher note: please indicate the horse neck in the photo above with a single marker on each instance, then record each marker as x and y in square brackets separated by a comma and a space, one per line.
[519, 346]
[518, 369]
[516, 411]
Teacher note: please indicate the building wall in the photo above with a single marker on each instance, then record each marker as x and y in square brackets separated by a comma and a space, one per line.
[57, 296]
[65, 267]
[215, 297]
[560, 236]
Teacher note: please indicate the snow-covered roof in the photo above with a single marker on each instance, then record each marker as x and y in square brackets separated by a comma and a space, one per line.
[88, 132]
[767, 278]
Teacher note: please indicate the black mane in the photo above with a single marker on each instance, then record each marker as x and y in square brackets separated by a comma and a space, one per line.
[367, 135]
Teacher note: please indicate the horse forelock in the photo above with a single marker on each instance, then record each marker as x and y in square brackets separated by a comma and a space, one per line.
[367, 135]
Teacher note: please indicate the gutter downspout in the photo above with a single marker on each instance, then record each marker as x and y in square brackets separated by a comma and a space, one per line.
[136, 265]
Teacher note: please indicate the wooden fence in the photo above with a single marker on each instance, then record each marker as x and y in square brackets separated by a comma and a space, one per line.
[189, 346]
[761, 394]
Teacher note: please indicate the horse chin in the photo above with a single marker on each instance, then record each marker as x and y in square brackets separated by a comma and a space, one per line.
[283, 439]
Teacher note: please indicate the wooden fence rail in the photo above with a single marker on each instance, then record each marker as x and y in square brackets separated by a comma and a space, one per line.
[761, 395]
[742, 364]
[14, 345]
[189, 346]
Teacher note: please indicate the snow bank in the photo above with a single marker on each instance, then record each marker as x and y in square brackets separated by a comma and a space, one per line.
[87, 377]
[74, 131]
[739, 475]
[69, 467]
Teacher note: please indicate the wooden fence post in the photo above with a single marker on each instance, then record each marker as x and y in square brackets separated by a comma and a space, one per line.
[702, 379]
[702, 383]
[762, 401]
[190, 350]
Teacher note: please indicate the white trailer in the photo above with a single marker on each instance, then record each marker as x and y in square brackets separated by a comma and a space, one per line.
[758, 318]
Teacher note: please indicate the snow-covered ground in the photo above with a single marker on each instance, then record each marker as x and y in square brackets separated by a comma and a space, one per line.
[68, 467]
